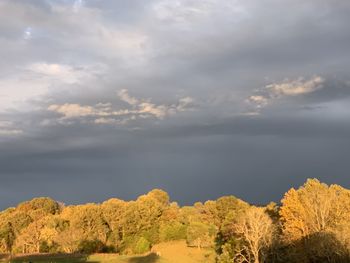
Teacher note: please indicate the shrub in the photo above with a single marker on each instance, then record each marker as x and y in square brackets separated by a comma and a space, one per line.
[142, 246]
[173, 231]
[91, 246]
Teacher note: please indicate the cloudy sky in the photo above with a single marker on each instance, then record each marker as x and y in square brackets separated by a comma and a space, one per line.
[201, 98]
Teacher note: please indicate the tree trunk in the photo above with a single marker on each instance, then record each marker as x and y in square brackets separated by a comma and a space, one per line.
[38, 248]
[256, 257]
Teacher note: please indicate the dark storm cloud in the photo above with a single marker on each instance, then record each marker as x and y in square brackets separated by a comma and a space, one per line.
[114, 98]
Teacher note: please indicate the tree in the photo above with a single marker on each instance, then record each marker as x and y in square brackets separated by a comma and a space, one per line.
[143, 216]
[314, 207]
[30, 238]
[89, 220]
[69, 239]
[113, 211]
[316, 211]
[229, 205]
[200, 235]
[161, 196]
[256, 230]
[18, 219]
[39, 207]
[7, 234]
[172, 231]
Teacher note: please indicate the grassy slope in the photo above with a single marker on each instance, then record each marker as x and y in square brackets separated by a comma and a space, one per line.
[170, 252]
[177, 251]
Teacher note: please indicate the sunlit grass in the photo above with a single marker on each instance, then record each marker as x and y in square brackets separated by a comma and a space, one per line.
[170, 252]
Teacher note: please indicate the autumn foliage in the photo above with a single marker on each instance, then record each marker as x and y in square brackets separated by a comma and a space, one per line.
[312, 224]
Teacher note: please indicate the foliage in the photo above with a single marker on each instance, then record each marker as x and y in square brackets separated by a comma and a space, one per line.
[172, 231]
[91, 246]
[311, 225]
[315, 221]
[8, 236]
[142, 246]
[200, 235]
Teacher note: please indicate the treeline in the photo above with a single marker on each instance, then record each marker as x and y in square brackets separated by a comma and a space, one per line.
[312, 224]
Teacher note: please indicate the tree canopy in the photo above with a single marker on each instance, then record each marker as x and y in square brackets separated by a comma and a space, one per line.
[311, 224]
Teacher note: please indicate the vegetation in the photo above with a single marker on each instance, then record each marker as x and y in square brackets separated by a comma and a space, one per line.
[310, 225]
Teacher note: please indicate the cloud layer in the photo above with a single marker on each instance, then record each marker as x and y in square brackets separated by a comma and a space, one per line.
[112, 98]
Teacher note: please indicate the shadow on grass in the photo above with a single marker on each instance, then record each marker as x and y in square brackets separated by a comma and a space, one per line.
[69, 258]
[151, 258]
[51, 258]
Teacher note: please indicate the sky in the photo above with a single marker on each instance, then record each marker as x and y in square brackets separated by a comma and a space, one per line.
[201, 98]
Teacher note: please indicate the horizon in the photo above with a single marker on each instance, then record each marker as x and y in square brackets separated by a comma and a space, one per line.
[203, 99]
[171, 200]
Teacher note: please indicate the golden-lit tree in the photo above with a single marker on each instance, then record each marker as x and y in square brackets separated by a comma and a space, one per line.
[256, 230]
[69, 239]
[30, 237]
[314, 207]
[312, 225]
[316, 218]
[88, 219]
[113, 211]
[7, 236]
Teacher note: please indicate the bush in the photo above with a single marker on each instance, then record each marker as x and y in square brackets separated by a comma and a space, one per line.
[142, 246]
[91, 246]
[152, 235]
[173, 231]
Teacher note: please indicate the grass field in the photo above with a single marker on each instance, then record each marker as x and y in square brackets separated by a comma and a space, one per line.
[170, 252]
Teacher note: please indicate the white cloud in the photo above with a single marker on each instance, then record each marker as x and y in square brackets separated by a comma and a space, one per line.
[295, 87]
[274, 91]
[159, 111]
[103, 113]
[124, 96]
[73, 110]
[258, 100]
[144, 106]
[110, 121]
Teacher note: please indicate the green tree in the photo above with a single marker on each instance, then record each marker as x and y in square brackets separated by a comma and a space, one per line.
[200, 235]
[7, 235]
[172, 231]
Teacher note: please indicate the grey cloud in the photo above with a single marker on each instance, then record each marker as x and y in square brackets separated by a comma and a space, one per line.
[219, 53]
